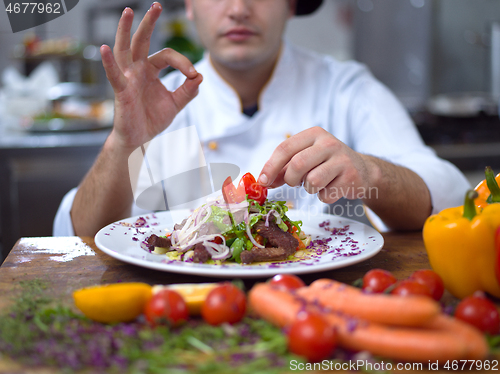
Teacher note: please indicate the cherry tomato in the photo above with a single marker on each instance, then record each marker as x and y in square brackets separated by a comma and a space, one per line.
[480, 312]
[230, 193]
[410, 287]
[431, 280]
[225, 303]
[311, 336]
[166, 307]
[377, 280]
[254, 190]
[287, 282]
[217, 240]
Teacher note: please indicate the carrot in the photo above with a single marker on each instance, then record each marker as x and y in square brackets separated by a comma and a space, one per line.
[476, 343]
[380, 308]
[301, 243]
[400, 343]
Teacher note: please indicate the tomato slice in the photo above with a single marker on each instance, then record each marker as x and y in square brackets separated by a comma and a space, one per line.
[247, 186]
[254, 190]
[231, 194]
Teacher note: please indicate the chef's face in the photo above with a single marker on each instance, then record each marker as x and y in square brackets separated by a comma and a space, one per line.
[240, 34]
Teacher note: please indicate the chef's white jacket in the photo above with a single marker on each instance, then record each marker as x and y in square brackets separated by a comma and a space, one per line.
[305, 90]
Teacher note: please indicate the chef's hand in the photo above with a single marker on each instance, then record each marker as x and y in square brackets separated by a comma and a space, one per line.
[322, 163]
[143, 106]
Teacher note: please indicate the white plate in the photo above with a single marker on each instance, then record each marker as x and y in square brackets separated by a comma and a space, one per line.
[354, 242]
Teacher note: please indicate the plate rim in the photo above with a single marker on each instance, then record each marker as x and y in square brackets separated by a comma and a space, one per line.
[217, 271]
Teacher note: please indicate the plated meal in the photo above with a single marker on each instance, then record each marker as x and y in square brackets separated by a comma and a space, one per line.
[240, 234]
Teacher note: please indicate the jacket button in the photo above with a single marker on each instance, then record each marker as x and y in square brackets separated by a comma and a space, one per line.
[213, 145]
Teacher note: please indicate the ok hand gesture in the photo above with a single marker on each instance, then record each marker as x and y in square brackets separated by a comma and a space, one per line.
[143, 106]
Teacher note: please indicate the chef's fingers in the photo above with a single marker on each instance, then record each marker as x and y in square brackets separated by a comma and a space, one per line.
[341, 180]
[284, 153]
[113, 72]
[168, 57]
[187, 91]
[121, 49]
[302, 163]
[330, 193]
[142, 37]
[280, 178]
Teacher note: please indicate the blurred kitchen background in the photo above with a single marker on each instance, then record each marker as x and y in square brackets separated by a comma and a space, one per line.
[440, 57]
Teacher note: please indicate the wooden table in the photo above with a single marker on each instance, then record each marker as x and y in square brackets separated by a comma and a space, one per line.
[68, 263]
[73, 262]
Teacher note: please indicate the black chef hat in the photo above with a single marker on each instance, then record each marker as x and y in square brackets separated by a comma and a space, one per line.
[305, 7]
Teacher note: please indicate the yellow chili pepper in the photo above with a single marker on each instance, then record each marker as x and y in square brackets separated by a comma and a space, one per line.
[488, 189]
[460, 244]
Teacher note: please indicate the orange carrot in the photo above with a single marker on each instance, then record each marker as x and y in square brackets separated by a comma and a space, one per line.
[380, 308]
[301, 243]
[400, 343]
[476, 343]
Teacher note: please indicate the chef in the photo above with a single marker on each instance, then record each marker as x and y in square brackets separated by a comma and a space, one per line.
[311, 128]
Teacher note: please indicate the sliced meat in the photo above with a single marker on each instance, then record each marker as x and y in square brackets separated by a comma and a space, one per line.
[201, 255]
[158, 241]
[179, 226]
[263, 254]
[208, 228]
[276, 236]
[238, 217]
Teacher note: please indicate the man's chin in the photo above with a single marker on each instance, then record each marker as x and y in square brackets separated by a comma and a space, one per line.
[238, 61]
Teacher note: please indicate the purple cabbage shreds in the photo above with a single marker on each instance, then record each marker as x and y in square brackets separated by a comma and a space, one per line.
[141, 222]
[352, 324]
[237, 358]
[449, 309]
[324, 223]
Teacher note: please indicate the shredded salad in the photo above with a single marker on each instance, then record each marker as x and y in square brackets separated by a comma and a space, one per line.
[225, 230]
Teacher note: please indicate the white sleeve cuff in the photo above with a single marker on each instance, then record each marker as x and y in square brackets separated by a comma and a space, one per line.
[63, 225]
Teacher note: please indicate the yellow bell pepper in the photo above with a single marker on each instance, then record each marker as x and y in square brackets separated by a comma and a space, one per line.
[488, 189]
[460, 244]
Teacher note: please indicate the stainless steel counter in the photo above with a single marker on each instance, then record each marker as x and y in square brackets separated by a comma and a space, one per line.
[36, 170]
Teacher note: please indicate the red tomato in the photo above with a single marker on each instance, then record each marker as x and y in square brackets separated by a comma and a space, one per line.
[311, 336]
[166, 307]
[431, 280]
[287, 282]
[480, 312]
[217, 240]
[254, 190]
[230, 193]
[377, 280]
[410, 287]
[225, 303]
[497, 262]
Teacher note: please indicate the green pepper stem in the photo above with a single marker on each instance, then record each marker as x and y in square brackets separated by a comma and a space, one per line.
[492, 186]
[469, 206]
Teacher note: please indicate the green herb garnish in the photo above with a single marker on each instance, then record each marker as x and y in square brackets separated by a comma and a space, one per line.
[34, 332]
